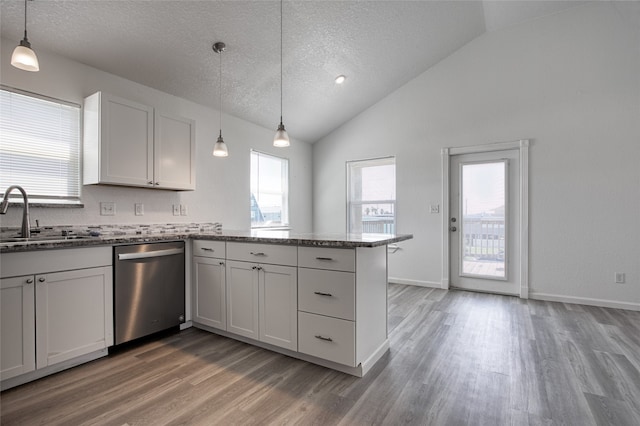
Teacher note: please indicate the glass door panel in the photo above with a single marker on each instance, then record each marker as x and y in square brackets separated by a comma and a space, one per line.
[483, 210]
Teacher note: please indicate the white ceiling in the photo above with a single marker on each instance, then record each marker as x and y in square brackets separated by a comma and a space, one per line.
[378, 45]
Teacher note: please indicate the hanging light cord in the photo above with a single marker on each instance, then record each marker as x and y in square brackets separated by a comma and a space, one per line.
[25, 19]
[220, 92]
[280, 61]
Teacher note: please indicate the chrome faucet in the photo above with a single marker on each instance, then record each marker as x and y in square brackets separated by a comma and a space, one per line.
[25, 231]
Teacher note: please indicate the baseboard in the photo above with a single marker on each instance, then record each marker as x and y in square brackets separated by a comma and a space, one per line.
[419, 283]
[603, 303]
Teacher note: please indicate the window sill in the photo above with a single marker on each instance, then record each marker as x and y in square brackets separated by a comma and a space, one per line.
[64, 204]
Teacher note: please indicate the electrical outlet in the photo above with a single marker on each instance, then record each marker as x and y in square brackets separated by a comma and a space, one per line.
[176, 209]
[139, 209]
[619, 277]
[434, 208]
[183, 209]
[108, 208]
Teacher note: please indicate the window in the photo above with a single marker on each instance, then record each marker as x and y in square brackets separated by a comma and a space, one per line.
[269, 191]
[40, 146]
[371, 196]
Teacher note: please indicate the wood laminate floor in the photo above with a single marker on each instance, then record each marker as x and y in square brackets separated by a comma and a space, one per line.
[456, 358]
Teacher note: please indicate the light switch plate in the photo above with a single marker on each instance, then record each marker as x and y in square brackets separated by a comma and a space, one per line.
[108, 208]
[183, 209]
[434, 208]
[176, 209]
[139, 208]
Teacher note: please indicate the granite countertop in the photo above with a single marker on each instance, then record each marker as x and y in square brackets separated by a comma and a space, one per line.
[90, 236]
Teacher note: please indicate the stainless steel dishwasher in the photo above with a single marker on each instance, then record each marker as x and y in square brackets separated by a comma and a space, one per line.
[148, 289]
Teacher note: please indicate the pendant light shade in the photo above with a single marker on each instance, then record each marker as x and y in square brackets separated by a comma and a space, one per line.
[220, 148]
[23, 57]
[281, 139]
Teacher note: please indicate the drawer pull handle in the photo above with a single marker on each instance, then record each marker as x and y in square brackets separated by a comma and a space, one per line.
[29, 280]
[319, 293]
[324, 258]
[326, 339]
[257, 254]
[207, 249]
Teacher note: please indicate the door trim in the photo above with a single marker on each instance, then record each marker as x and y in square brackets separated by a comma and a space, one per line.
[523, 148]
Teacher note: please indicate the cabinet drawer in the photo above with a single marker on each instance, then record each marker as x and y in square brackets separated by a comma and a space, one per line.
[327, 338]
[329, 293]
[209, 248]
[262, 253]
[327, 258]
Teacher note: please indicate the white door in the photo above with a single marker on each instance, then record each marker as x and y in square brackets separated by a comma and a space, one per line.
[279, 306]
[484, 222]
[242, 299]
[17, 321]
[74, 314]
[210, 304]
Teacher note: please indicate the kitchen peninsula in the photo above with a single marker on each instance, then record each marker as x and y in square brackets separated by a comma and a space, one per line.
[320, 298]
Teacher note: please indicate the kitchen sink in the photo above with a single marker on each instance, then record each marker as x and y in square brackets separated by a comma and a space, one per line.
[47, 238]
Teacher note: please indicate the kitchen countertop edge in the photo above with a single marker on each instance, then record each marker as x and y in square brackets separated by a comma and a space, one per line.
[311, 240]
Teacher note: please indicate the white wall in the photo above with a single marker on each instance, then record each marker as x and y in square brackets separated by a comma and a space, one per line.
[222, 185]
[570, 82]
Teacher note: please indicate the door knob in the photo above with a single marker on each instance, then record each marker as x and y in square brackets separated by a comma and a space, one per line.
[453, 229]
[453, 220]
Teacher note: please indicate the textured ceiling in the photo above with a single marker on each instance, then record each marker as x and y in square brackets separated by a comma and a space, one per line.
[378, 45]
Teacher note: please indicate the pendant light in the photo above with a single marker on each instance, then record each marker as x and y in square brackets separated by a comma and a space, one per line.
[23, 57]
[220, 148]
[281, 139]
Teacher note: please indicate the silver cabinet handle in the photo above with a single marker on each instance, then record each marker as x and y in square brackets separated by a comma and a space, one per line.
[221, 263]
[319, 293]
[29, 280]
[147, 254]
[324, 258]
[157, 183]
[150, 183]
[257, 254]
[207, 249]
[41, 279]
[326, 339]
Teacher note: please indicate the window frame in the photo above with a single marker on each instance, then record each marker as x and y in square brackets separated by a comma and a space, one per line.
[377, 161]
[285, 223]
[36, 200]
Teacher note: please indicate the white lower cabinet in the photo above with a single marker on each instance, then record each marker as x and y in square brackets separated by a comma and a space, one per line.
[328, 338]
[17, 319]
[56, 306]
[323, 304]
[278, 298]
[242, 299]
[72, 316]
[262, 303]
[210, 295]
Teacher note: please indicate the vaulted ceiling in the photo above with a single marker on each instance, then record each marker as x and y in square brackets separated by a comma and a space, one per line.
[167, 45]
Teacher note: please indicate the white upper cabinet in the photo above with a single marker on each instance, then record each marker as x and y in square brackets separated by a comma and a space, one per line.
[131, 144]
[174, 159]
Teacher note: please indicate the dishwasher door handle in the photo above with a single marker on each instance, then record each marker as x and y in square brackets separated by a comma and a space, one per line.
[149, 254]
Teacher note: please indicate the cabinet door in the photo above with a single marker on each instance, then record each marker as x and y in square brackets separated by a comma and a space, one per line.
[174, 152]
[126, 148]
[242, 299]
[17, 341]
[209, 292]
[279, 306]
[74, 311]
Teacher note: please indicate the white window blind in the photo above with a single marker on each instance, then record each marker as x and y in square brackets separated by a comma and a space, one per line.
[40, 146]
